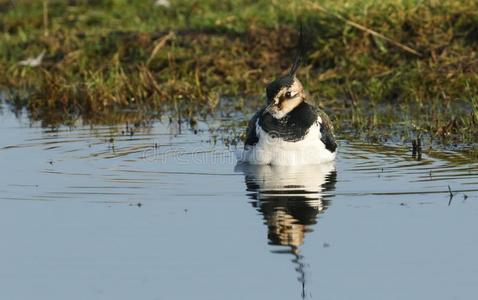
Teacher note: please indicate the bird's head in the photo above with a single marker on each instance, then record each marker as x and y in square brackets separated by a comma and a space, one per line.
[283, 95]
[286, 92]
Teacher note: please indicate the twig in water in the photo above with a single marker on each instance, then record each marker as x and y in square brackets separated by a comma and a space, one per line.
[419, 148]
[451, 195]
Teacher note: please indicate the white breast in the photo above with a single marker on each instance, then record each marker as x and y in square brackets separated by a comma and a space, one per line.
[271, 150]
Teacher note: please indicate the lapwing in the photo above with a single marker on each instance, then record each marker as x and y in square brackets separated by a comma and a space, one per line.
[289, 129]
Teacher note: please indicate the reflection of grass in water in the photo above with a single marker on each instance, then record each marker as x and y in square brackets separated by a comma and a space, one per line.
[104, 56]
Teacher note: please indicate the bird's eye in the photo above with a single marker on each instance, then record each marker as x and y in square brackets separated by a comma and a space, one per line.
[288, 94]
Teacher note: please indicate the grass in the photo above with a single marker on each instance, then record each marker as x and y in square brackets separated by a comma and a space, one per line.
[382, 68]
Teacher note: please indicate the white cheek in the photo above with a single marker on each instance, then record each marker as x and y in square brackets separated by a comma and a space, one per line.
[278, 114]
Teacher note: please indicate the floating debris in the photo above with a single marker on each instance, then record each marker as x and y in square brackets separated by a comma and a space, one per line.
[451, 195]
[417, 148]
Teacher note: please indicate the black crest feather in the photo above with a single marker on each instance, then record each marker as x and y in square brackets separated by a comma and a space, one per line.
[300, 53]
[287, 80]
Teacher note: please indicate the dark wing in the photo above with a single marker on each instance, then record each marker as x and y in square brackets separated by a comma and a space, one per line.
[327, 132]
[251, 135]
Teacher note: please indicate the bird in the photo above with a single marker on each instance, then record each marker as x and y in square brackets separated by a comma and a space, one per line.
[289, 129]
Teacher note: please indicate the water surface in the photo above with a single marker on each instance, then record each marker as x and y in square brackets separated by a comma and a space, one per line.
[165, 213]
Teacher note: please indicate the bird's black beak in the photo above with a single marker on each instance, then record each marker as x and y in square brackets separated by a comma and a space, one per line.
[269, 108]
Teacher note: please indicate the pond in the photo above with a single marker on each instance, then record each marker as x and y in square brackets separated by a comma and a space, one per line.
[95, 212]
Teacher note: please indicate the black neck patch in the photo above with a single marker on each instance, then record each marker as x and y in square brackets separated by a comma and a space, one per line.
[293, 127]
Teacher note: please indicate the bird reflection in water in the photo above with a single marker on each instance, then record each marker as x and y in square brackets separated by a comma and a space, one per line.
[290, 200]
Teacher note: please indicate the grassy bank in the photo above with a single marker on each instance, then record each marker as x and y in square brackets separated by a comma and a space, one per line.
[373, 64]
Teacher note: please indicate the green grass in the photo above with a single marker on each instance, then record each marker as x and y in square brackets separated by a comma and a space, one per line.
[101, 58]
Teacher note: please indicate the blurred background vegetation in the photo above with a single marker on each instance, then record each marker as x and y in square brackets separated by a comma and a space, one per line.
[383, 69]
